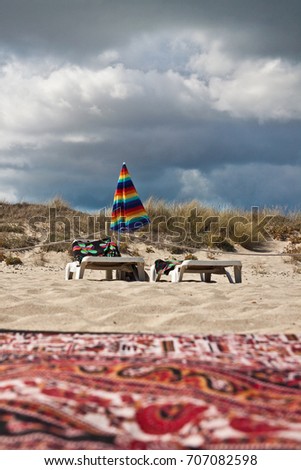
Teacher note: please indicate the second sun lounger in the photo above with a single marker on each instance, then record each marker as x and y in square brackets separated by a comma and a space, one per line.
[206, 268]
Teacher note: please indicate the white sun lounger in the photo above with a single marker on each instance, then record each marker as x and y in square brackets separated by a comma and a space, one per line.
[204, 268]
[122, 265]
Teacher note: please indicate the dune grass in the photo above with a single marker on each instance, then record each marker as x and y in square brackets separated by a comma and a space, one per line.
[183, 227]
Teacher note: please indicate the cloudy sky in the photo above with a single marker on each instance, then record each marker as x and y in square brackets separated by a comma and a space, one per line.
[201, 98]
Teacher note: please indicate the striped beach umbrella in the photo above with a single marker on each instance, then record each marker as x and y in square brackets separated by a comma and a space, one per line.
[128, 213]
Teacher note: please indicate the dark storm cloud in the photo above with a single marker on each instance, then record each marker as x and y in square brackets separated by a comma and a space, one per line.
[233, 160]
[81, 28]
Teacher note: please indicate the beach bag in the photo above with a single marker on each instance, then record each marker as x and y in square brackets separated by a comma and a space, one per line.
[104, 247]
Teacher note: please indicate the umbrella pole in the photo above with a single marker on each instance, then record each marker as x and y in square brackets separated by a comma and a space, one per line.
[118, 240]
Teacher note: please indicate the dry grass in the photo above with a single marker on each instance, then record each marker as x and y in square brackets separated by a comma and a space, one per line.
[39, 259]
[181, 227]
[17, 242]
[24, 224]
[190, 256]
[11, 228]
[294, 253]
[194, 225]
[285, 227]
[13, 260]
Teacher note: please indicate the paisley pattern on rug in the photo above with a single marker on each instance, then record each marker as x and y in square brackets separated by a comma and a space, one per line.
[143, 391]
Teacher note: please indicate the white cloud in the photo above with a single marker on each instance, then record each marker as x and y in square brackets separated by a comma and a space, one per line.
[59, 102]
[8, 194]
[108, 57]
[263, 90]
[213, 61]
[8, 190]
[193, 184]
[43, 101]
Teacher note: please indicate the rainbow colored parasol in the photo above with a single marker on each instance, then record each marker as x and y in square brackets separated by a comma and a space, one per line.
[128, 213]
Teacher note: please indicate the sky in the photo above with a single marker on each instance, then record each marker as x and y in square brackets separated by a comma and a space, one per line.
[201, 99]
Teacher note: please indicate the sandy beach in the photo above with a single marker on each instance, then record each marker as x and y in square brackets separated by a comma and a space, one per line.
[36, 297]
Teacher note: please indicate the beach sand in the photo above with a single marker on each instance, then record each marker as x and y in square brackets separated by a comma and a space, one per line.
[36, 297]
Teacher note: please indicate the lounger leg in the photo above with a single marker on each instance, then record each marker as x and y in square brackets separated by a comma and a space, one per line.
[237, 274]
[109, 274]
[175, 274]
[153, 274]
[180, 273]
[229, 277]
[207, 277]
[122, 275]
[79, 273]
[70, 269]
[141, 273]
[68, 272]
[202, 277]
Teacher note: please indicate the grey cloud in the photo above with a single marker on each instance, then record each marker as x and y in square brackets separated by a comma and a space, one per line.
[78, 29]
[187, 93]
[252, 184]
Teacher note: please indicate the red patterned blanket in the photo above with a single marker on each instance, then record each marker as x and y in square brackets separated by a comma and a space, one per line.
[124, 391]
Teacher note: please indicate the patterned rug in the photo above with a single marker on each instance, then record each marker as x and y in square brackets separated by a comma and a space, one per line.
[124, 391]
